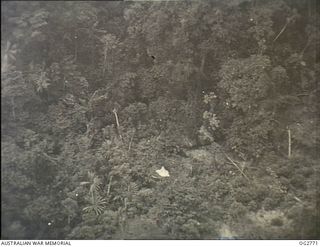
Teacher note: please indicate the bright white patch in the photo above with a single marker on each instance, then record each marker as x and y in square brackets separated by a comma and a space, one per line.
[163, 172]
[251, 19]
[49, 224]
[77, 194]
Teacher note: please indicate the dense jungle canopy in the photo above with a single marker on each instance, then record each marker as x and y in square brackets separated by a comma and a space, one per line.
[160, 119]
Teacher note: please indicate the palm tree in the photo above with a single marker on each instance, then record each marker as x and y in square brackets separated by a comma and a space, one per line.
[94, 182]
[96, 201]
[9, 55]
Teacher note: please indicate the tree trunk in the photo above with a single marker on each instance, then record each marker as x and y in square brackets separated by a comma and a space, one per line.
[203, 61]
[13, 108]
[289, 143]
[5, 60]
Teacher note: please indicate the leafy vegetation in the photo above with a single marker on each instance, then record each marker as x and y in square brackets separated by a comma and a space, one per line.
[160, 120]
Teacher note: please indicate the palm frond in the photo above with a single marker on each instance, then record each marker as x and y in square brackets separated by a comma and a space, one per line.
[95, 186]
[91, 176]
[84, 183]
[95, 183]
[42, 82]
[97, 205]
[133, 188]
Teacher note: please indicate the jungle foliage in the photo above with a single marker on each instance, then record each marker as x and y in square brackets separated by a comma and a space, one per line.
[97, 96]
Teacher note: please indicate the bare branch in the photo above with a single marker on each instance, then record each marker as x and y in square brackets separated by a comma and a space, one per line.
[236, 165]
[282, 30]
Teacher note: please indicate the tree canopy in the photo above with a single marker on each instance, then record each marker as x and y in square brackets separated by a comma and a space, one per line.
[220, 96]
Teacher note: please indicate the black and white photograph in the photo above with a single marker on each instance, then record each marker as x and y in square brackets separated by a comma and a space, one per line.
[160, 120]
